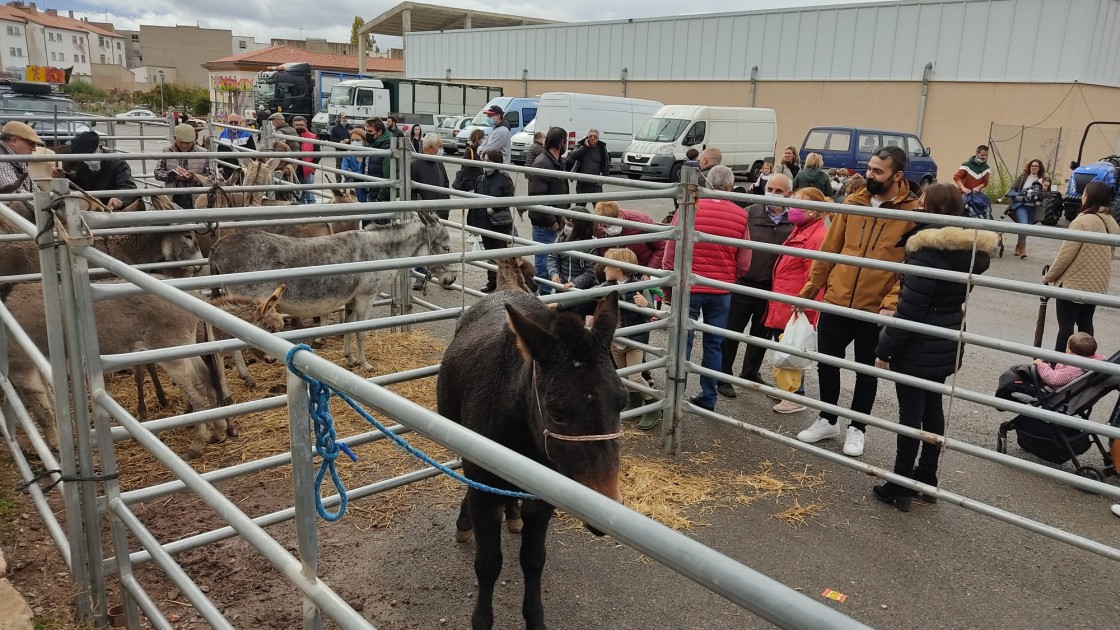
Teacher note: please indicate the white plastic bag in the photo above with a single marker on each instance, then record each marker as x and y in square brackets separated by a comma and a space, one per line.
[800, 334]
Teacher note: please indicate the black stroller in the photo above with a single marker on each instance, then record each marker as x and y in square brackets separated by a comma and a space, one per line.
[1051, 442]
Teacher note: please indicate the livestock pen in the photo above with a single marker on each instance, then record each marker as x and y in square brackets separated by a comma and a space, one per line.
[103, 541]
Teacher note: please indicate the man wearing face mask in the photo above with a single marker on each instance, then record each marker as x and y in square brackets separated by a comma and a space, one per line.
[767, 224]
[499, 138]
[868, 290]
[972, 177]
[96, 175]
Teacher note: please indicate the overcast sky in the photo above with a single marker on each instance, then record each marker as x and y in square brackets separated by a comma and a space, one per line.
[265, 19]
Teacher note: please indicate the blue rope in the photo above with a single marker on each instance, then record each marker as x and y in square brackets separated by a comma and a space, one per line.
[327, 446]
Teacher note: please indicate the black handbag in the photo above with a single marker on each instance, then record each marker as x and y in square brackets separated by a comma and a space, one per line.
[499, 217]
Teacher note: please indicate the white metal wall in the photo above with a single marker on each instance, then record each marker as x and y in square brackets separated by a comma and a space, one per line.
[967, 40]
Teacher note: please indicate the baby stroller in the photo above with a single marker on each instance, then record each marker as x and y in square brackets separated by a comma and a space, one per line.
[1051, 442]
[978, 206]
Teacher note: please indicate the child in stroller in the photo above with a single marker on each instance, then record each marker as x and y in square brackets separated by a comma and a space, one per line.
[1052, 442]
[978, 206]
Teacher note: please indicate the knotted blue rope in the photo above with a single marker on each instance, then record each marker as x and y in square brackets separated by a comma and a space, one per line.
[327, 446]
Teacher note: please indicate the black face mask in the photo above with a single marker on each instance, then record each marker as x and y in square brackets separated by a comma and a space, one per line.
[876, 187]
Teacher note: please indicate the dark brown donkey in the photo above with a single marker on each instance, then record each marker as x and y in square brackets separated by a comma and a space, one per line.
[538, 382]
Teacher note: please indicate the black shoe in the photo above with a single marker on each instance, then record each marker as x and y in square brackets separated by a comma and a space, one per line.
[490, 288]
[419, 284]
[725, 389]
[634, 401]
[896, 495]
[930, 479]
[696, 401]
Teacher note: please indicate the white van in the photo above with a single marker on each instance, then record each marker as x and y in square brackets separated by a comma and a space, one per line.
[617, 119]
[746, 135]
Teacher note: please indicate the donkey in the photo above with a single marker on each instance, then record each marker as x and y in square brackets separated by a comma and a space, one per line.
[536, 381]
[140, 322]
[23, 256]
[252, 250]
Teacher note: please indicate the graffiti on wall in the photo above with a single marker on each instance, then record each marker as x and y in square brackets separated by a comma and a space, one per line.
[231, 84]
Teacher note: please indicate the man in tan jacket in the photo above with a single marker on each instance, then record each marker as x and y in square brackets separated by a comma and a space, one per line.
[859, 288]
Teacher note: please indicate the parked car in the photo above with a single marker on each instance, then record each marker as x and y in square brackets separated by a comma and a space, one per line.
[447, 129]
[521, 141]
[746, 135]
[136, 112]
[37, 105]
[405, 122]
[852, 147]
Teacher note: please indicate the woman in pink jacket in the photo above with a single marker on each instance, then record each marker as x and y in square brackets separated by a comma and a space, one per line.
[791, 272]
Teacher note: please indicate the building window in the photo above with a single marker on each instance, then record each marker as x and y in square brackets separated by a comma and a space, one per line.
[241, 44]
[83, 58]
[75, 37]
[100, 41]
[118, 45]
[13, 30]
[12, 52]
[102, 58]
[75, 57]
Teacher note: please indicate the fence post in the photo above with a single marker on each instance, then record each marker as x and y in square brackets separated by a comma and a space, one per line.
[676, 372]
[402, 151]
[49, 254]
[87, 346]
[303, 482]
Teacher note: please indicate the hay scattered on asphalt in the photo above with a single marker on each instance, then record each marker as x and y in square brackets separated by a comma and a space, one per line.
[679, 493]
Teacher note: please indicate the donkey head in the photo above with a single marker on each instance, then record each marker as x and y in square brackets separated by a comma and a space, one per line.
[439, 242]
[179, 246]
[576, 394]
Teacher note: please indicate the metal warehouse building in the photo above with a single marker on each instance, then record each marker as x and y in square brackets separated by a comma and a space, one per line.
[949, 70]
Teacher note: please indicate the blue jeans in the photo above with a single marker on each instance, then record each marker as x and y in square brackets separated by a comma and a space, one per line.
[1024, 215]
[306, 196]
[546, 236]
[714, 307]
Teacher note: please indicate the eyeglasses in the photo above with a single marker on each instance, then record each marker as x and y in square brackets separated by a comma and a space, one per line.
[592, 137]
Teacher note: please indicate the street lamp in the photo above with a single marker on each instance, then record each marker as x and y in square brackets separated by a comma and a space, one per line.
[161, 107]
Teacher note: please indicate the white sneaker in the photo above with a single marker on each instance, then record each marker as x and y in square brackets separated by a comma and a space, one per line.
[854, 442]
[788, 406]
[819, 430]
[1116, 509]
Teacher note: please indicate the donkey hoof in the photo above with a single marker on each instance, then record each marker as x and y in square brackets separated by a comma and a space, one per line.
[231, 430]
[278, 389]
[216, 438]
[515, 525]
[462, 536]
[194, 452]
[250, 382]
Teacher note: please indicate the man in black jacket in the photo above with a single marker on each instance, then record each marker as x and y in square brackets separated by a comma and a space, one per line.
[767, 224]
[590, 158]
[545, 224]
[340, 130]
[96, 175]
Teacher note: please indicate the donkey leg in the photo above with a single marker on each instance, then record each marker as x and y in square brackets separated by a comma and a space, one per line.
[138, 377]
[486, 515]
[211, 372]
[463, 528]
[243, 370]
[161, 395]
[38, 396]
[513, 517]
[537, 514]
[186, 377]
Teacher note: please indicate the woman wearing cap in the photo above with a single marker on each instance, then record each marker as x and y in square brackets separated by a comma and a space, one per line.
[178, 171]
[17, 138]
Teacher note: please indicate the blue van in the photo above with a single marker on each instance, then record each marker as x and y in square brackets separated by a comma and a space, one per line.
[851, 148]
[518, 113]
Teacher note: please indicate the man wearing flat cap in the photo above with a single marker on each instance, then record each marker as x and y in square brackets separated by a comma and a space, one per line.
[17, 138]
[96, 174]
[178, 168]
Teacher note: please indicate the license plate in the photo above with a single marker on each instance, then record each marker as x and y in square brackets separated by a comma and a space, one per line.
[635, 167]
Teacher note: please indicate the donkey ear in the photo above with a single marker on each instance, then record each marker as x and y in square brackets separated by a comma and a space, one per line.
[270, 303]
[606, 320]
[533, 341]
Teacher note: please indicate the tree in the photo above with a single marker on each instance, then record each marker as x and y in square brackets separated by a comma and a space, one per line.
[370, 43]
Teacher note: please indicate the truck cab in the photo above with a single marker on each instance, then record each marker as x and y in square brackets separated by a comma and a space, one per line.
[287, 88]
[359, 99]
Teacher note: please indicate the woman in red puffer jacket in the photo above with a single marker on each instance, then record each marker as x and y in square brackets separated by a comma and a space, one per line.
[808, 233]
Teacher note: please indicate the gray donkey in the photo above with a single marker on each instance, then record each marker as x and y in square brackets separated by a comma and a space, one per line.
[253, 250]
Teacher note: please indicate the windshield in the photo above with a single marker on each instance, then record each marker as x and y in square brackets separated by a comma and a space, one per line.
[482, 120]
[662, 130]
[44, 105]
[266, 90]
[342, 96]
[531, 127]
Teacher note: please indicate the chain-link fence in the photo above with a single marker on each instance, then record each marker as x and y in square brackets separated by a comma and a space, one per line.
[1013, 146]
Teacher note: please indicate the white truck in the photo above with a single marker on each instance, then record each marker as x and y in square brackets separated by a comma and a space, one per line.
[364, 98]
[745, 135]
